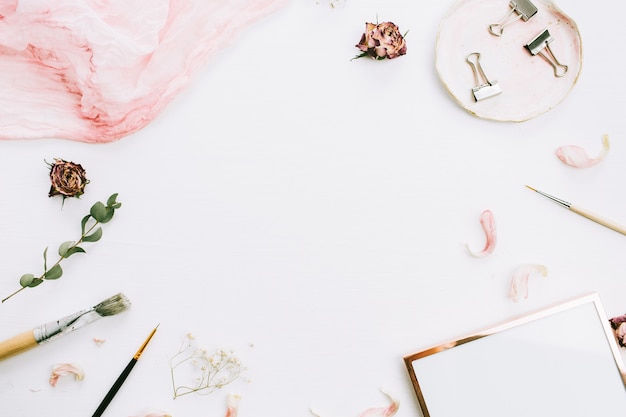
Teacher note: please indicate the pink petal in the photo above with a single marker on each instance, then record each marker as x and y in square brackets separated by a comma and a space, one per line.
[388, 411]
[63, 370]
[488, 222]
[95, 71]
[98, 341]
[233, 405]
[519, 282]
[577, 157]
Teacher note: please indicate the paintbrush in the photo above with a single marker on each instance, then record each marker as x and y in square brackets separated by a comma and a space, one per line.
[582, 212]
[120, 379]
[54, 329]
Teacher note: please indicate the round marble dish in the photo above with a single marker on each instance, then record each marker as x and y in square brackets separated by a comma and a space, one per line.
[528, 82]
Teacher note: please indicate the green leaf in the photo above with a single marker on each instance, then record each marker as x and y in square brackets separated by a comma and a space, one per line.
[111, 201]
[102, 213]
[72, 251]
[26, 280]
[94, 237]
[45, 258]
[83, 223]
[35, 282]
[109, 215]
[98, 211]
[65, 247]
[54, 273]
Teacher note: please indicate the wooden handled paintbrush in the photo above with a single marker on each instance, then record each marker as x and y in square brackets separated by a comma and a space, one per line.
[583, 212]
[54, 329]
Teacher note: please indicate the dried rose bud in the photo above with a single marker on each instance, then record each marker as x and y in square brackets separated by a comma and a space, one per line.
[381, 41]
[618, 324]
[68, 179]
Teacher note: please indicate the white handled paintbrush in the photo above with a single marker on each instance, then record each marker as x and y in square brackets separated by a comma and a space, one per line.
[54, 329]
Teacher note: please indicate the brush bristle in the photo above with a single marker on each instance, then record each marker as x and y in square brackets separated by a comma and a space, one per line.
[113, 305]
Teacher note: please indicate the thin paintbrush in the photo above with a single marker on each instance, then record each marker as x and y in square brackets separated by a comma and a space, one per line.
[54, 329]
[120, 379]
[578, 210]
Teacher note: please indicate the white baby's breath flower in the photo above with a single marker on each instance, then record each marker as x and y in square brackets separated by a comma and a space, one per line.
[209, 371]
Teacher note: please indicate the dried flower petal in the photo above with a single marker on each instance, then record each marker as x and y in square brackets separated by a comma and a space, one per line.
[519, 282]
[65, 369]
[577, 157]
[233, 405]
[488, 222]
[388, 411]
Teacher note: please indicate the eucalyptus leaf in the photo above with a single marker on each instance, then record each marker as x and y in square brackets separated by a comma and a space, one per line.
[54, 273]
[26, 280]
[35, 282]
[98, 211]
[75, 249]
[45, 258]
[111, 201]
[94, 237]
[109, 215]
[65, 247]
[83, 223]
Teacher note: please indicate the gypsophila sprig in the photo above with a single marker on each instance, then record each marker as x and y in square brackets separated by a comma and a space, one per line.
[90, 232]
[195, 370]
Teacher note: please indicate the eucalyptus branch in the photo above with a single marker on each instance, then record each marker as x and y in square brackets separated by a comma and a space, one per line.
[90, 232]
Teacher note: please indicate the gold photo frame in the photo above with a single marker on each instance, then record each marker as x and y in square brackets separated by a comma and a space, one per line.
[559, 361]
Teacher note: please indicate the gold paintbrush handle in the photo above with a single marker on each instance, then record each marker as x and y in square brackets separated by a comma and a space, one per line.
[604, 222]
[17, 344]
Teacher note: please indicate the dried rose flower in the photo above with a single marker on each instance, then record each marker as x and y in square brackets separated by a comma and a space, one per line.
[382, 40]
[68, 179]
[618, 324]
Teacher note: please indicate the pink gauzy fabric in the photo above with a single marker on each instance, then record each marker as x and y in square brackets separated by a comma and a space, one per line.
[98, 70]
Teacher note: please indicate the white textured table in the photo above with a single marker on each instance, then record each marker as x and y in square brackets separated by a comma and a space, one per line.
[311, 213]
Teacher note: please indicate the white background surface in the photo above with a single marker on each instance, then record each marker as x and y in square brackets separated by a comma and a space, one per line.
[311, 213]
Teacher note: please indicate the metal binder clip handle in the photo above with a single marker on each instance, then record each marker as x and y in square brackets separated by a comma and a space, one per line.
[524, 9]
[483, 87]
[540, 45]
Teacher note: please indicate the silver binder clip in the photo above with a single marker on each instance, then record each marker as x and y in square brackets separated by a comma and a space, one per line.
[540, 44]
[524, 9]
[484, 88]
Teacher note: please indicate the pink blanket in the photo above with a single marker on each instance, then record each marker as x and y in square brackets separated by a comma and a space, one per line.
[97, 70]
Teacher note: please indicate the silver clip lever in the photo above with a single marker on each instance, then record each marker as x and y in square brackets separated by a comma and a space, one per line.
[540, 45]
[524, 9]
[484, 88]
